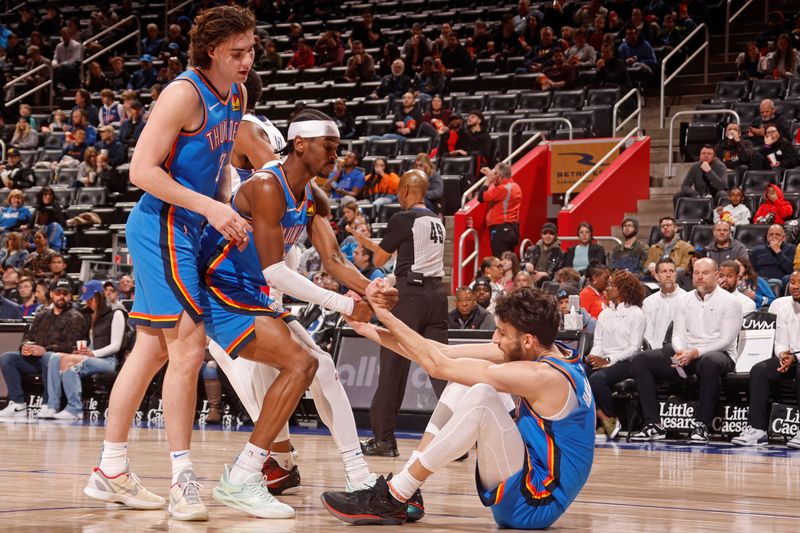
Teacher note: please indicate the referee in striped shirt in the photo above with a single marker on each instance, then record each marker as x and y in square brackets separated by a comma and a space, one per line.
[417, 235]
[504, 198]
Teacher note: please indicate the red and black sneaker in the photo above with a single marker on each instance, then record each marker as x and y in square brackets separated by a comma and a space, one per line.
[416, 507]
[280, 480]
[374, 505]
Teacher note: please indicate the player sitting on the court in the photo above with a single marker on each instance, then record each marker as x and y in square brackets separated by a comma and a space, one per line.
[529, 470]
[763, 374]
[242, 319]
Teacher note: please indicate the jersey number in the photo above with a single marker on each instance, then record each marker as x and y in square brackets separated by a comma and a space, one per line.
[437, 233]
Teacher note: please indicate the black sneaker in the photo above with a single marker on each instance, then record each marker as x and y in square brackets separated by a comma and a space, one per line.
[416, 507]
[374, 505]
[650, 432]
[380, 448]
[699, 433]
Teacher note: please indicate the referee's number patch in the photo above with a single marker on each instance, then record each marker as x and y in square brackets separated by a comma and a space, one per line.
[437, 233]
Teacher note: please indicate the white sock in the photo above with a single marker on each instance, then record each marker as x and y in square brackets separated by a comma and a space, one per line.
[355, 467]
[251, 460]
[411, 460]
[403, 485]
[114, 458]
[181, 460]
[284, 459]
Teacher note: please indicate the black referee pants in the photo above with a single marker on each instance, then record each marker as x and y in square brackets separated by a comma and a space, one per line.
[423, 309]
[761, 375]
[655, 364]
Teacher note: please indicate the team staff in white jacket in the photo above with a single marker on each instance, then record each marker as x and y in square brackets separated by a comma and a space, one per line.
[659, 307]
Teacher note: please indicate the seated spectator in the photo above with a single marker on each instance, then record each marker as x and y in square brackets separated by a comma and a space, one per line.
[747, 62]
[55, 329]
[25, 112]
[427, 82]
[448, 136]
[25, 137]
[568, 276]
[659, 307]
[775, 27]
[346, 178]
[733, 151]
[117, 77]
[132, 128]
[510, 264]
[484, 293]
[617, 337]
[303, 58]
[344, 120]
[143, 78]
[406, 120]
[435, 190]
[581, 55]
[773, 259]
[72, 153]
[111, 292]
[58, 122]
[97, 353]
[350, 214]
[10, 289]
[116, 152]
[87, 170]
[636, 52]
[390, 53]
[753, 286]
[729, 280]
[540, 55]
[774, 209]
[781, 367]
[724, 247]
[271, 59]
[53, 230]
[27, 295]
[367, 31]
[80, 121]
[111, 112]
[468, 314]
[329, 50]
[14, 174]
[474, 140]
[14, 254]
[597, 32]
[455, 58]
[95, 80]
[669, 246]
[593, 295]
[735, 212]
[415, 49]
[580, 256]
[491, 269]
[46, 200]
[563, 294]
[706, 177]
[523, 279]
[438, 116]
[380, 186]
[610, 70]
[126, 287]
[361, 65]
[705, 331]
[66, 60]
[358, 230]
[152, 43]
[669, 36]
[16, 213]
[362, 259]
[631, 254]
[783, 62]
[768, 114]
[394, 85]
[543, 258]
[38, 261]
[558, 75]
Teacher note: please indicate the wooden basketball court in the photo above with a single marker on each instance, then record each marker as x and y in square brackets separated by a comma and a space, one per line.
[633, 488]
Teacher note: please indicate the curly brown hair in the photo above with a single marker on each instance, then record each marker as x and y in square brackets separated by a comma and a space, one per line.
[213, 27]
[630, 289]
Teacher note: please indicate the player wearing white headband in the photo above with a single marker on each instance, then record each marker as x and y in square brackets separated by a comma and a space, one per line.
[245, 322]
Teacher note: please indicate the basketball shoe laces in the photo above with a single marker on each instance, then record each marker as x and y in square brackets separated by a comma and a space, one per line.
[191, 491]
[259, 490]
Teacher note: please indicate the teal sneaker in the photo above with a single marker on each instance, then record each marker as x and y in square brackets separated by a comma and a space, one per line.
[251, 496]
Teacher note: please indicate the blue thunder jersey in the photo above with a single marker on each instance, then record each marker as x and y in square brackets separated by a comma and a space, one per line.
[197, 158]
[558, 457]
[226, 264]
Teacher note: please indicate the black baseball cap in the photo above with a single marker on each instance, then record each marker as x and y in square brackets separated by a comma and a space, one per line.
[482, 281]
[61, 284]
[566, 290]
[549, 226]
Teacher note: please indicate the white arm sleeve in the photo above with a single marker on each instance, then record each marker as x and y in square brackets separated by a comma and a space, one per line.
[290, 282]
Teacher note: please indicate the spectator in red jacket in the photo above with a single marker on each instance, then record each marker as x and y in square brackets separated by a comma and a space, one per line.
[303, 58]
[775, 209]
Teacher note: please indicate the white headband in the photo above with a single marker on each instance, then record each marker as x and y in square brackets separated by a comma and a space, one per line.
[313, 128]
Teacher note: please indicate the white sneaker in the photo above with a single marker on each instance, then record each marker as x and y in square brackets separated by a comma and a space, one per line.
[14, 410]
[795, 442]
[251, 496]
[66, 415]
[184, 498]
[124, 488]
[751, 437]
[366, 484]
[46, 412]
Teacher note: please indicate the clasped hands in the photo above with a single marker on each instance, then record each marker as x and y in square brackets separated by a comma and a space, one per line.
[380, 297]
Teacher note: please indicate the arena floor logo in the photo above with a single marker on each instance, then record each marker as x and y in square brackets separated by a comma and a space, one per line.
[678, 417]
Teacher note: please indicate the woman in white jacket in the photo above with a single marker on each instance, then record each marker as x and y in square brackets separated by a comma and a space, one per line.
[617, 337]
